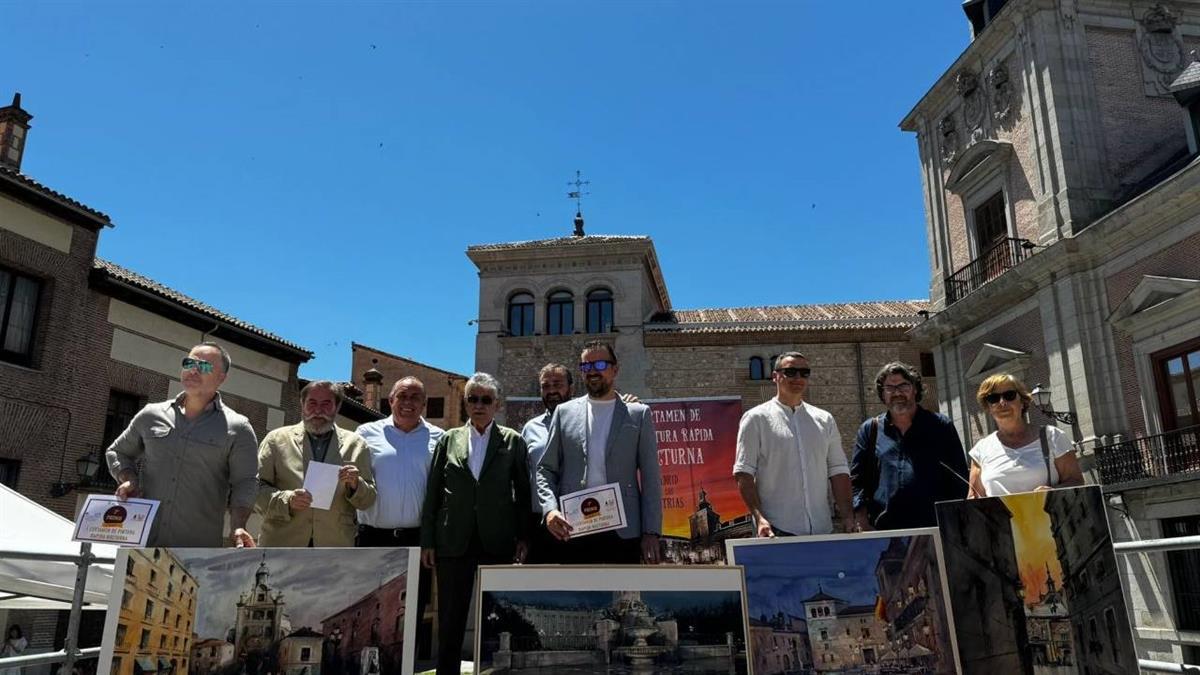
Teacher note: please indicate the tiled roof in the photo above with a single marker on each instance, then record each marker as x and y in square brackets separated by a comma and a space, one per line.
[560, 241]
[822, 596]
[884, 314]
[358, 345]
[32, 184]
[132, 278]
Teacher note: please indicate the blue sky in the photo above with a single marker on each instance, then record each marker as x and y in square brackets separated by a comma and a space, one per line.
[318, 169]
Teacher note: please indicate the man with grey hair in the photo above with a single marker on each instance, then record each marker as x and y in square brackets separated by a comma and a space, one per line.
[789, 459]
[284, 458]
[197, 458]
[476, 510]
[906, 459]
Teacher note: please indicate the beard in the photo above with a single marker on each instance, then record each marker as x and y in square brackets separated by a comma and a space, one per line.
[318, 425]
[598, 387]
[551, 401]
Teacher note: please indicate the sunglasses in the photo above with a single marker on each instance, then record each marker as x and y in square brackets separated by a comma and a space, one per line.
[994, 397]
[794, 372]
[485, 400]
[598, 366]
[197, 364]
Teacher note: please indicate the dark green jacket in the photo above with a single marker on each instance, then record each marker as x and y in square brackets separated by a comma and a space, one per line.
[456, 505]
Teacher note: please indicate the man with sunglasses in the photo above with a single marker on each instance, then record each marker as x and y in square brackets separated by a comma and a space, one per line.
[906, 459]
[594, 440]
[197, 457]
[789, 458]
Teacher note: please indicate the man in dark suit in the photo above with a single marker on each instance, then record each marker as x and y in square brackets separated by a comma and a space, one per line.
[476, 510]
[595, 440]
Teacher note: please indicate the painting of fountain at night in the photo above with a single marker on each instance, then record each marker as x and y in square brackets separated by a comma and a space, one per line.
[605, 620]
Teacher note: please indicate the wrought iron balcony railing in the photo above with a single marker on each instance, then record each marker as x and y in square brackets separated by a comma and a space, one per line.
[1175, 454]
[996, 260]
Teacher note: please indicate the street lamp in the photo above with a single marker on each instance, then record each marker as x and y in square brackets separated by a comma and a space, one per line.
[1041, 398]
[86, 466]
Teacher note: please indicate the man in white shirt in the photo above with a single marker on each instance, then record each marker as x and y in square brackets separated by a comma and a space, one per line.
[554, 383]
[595, 440]
[789, 457]
[401, 450]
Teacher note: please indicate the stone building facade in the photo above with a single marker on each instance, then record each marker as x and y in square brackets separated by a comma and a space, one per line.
[779, 644]
[210, 656]
[262, 618]
[87, 342]
[844, 637]
[1058, 159]
[611, 287]
[157, 615]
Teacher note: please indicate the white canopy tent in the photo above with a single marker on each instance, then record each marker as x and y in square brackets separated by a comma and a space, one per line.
[27, 527]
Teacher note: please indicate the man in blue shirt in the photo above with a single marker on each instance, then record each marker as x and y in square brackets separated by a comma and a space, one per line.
[554, 382]
[906, 459]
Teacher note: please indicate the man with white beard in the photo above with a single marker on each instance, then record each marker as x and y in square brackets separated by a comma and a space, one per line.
[289, 517]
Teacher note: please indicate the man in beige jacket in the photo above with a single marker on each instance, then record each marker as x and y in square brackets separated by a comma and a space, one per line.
[289, 517]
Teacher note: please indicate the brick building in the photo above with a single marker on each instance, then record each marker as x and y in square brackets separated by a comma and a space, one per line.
[1058, 160]
[374, 371]
[158, 612]
[540, 301]
[86, 343]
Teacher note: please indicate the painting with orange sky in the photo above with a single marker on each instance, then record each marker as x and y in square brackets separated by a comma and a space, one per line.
[1034, 584]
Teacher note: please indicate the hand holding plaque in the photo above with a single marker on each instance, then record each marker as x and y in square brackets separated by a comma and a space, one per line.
[598, 509]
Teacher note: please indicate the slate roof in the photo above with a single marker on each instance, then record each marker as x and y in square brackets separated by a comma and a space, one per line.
[120, 274]
[1190, 77]
[98, 218]
[559, 241]
[884, 314]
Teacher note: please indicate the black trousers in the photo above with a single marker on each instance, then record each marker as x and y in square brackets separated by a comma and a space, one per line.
[455, 586]
[606, 548]
[541, 542]
[375, 537]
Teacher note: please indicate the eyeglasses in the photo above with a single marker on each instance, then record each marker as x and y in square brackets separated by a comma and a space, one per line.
[198, 364]
[598, 366]
[791, 373]
[902, 388]
[485, 400]
[994, 397]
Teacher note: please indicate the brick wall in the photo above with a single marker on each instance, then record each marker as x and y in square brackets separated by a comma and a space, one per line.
[438, 383]
[1141, 131]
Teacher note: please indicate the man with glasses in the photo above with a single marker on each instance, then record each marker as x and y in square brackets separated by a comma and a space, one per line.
[197, 457]
[594, 440]
[401, 449]
[284, 458]
[906, 459]
[789, 458]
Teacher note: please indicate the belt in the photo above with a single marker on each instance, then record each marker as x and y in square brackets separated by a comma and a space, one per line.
[390, 531]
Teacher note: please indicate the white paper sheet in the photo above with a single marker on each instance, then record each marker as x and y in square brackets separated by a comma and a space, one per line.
[321, 481]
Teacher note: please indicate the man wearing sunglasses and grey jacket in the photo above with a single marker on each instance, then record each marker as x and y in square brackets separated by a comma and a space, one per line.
[595, 440]
[198, 456]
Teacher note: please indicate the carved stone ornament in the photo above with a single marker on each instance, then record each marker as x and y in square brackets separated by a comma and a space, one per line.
[1002, 93]
[949, 134]
[1161, 49]
[967, 84]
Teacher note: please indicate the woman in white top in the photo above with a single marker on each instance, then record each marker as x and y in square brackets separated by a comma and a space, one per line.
[1016, 458]
[15, 644]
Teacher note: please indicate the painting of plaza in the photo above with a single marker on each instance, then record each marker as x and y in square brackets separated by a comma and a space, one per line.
[543, 620]
[847, 604]
[1035, 586]
[262, 612]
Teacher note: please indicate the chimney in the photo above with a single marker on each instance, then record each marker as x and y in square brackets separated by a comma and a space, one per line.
[373, 384]
[14, 125]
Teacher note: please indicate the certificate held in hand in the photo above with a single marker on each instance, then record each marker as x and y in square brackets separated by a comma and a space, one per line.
[593, 510]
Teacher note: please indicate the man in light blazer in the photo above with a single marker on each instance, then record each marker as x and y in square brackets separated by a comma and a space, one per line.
[595, 440]
[289, 519]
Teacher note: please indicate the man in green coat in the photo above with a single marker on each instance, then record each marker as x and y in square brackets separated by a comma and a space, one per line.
[475, 512]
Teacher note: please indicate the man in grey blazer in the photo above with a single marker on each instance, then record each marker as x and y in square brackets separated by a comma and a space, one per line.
[594, 440]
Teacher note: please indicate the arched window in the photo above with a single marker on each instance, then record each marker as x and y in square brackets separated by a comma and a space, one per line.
[599, 311]
[560, 313]
[520, 314]
[756, 368]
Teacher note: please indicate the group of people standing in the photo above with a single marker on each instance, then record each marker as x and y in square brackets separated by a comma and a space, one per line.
[486, 494]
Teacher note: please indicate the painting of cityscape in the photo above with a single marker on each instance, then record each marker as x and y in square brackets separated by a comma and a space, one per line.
[856, 603]
[1034, 584]
[553, 619]
[288, 611]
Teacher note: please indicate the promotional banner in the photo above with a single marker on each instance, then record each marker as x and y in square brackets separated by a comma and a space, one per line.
[697, 441]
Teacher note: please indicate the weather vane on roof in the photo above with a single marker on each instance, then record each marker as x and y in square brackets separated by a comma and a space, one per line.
[578, 194]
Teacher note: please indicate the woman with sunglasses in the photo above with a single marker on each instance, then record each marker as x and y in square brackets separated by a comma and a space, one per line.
[1018, 456]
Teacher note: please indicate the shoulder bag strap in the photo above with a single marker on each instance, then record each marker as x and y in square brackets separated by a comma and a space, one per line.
[1045, 454]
